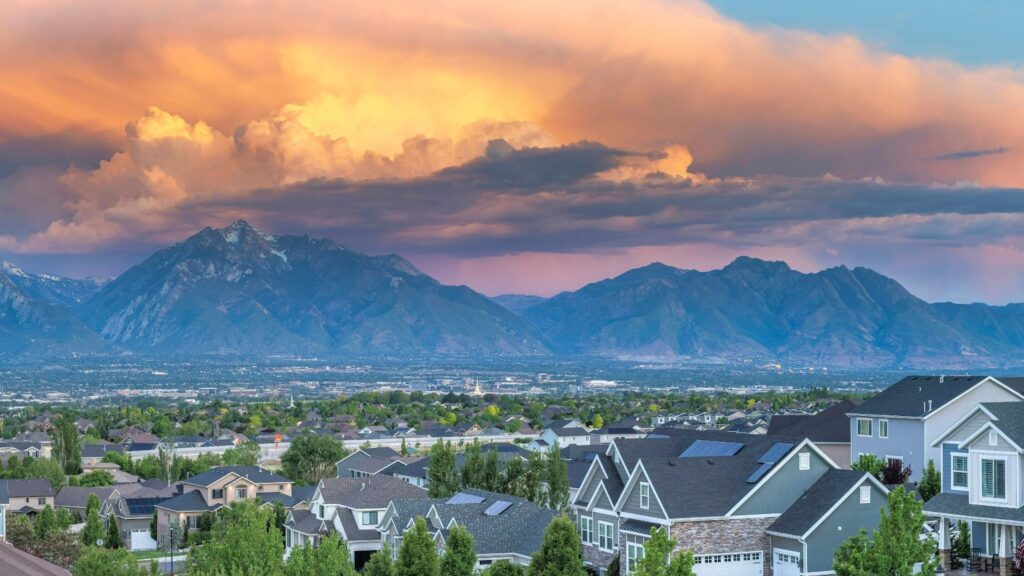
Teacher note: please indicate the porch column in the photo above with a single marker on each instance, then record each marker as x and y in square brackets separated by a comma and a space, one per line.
[1006, 553]
[945, 549]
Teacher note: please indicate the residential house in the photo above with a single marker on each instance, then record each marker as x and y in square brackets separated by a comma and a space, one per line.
[351, 507]
[132, 510]
[503, 527]
[715, 493]
[29, 496]
[15, 562]
[19, 448]
[94, 453]
[982, 483]
[828, 429]
[213, 489]
[75, 498]
[563, 433]
[803, 539]
[902, 422]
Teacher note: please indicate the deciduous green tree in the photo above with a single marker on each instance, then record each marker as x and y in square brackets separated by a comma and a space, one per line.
[246, 541]
[418, 553]
[311, 458]
[443, 479]
[245, 454]
[931, 482]
[380, 564]
[329, 558]
[557, 480]
[101, 562]
[505, 568]
[459, 557]
[66, 448]
[658, 559]
[561, 552]
[894, 547]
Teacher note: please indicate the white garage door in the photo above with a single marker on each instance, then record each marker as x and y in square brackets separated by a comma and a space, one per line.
[786, 563]
[141, 540]
[738, 564]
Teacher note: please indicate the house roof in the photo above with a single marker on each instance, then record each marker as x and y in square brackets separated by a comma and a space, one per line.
[306, 522]
[78, 496]
[98, 450]
[299, 494]
[516, 529]
[948, 505]
[722, 481]
[1009, 418]
[14, 562]
[191, 501]
[910, 396]
[829, 425]
[3, 492]
[254, 473]
[638, 526]
[32, 487]
[817, 501]
[367, 493]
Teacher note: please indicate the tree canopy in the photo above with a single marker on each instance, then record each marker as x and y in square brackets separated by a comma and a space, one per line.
[311, 458]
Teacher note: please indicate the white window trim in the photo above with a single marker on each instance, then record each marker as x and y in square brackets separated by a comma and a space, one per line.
[589, 520]
[645, 496]
[865, 494]
[804, 460]
[600, 535]
[630, 568]
[870, 425]
[880, 422]
[966, 472]
[981, 478]
[889, 457]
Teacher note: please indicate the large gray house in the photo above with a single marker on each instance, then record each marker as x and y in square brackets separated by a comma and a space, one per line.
[720, 495]
[903, 421]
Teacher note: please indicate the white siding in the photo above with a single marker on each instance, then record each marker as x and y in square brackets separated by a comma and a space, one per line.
[941, 420]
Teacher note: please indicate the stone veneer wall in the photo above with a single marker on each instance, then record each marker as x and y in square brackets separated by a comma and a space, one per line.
[725, 536]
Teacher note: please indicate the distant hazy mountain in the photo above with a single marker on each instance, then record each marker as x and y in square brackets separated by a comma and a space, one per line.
[518, 303]
[68, 292]
[237, 290]
[753, 309]
[32, 324]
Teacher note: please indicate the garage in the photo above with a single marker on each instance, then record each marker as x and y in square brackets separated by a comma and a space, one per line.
[737, 564]
[141, 540]
[786, 563]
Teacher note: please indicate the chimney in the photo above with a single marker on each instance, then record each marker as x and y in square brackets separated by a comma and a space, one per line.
[924, 407]
[929, 405]
[942, 379]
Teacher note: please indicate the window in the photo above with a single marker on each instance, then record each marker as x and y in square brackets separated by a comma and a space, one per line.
[586, 529]
[805, 460]
[993, 438]
[958, 465]
[890, 460]
[41, 501]
[993, 479]
[634, 553]
[288, 537]
[883, 428]
[863, 427]
[370, 518]
[241, 493]
[218, 493]
[865, 494]
[605, 541]
[645, 495]
[321, 514]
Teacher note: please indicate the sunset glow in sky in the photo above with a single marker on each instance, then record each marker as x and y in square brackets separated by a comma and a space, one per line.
[525, 146]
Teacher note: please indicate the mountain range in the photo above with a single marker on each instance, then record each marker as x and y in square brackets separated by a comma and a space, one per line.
[239, 291]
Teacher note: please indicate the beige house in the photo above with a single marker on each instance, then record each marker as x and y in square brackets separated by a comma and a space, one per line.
[29, 496]
[214, 489]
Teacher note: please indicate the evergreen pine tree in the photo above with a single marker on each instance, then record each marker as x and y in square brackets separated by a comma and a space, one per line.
[443, 480]
[418, 554]
[380, 564]
[459, 557]
[93, 529]
[113, 539]
[561, 552]
[46, 523]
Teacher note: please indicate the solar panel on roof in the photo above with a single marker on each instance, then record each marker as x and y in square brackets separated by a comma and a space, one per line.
[137, 506]
[702, 448]
[775, 453]
[464, 498]
[760, 472]
[497, 508]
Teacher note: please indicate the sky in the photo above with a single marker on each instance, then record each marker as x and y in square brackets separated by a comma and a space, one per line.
[526, 147]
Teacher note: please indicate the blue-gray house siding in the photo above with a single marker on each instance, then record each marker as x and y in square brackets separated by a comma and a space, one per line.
[905, 440]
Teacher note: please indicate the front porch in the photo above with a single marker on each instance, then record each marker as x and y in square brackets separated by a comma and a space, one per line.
[994, 534]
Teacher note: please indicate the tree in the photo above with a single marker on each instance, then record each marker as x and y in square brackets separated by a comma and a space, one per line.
[490, 473]
[894, 472]
[66, 448]
[93, 529]
[894, 547]
[96, 478]
[379, 564]
[472, 468]
[598, 421]
[459, 557]
[245, 542]
[100, 562]
[931, 482]
[513, 478]
[442, 478]
[44, 468]
[46, 523]
[506, 568]
[658, 559]
[153, 526]
[113, 540]
[869, 463]
[330, 558]
[418, 553]
[557, 480]
[311, 458]
[962, 543]
[561, 553]
[245, 454]
[404, 451]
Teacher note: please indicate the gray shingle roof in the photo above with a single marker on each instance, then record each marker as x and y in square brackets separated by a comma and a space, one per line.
[29, 488]
[372, 492]
[829, 425]
[78, 496]
[98, 450]
[191, 501]
[1009, 419]
[306, 522]
[3, 492]
[517, 530]
[816, 501]
[14, 562]
[909, 397]
[956, 505]
[253, 473]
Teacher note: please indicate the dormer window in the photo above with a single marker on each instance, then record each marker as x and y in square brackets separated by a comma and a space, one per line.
[645, 495]
[370, 518]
